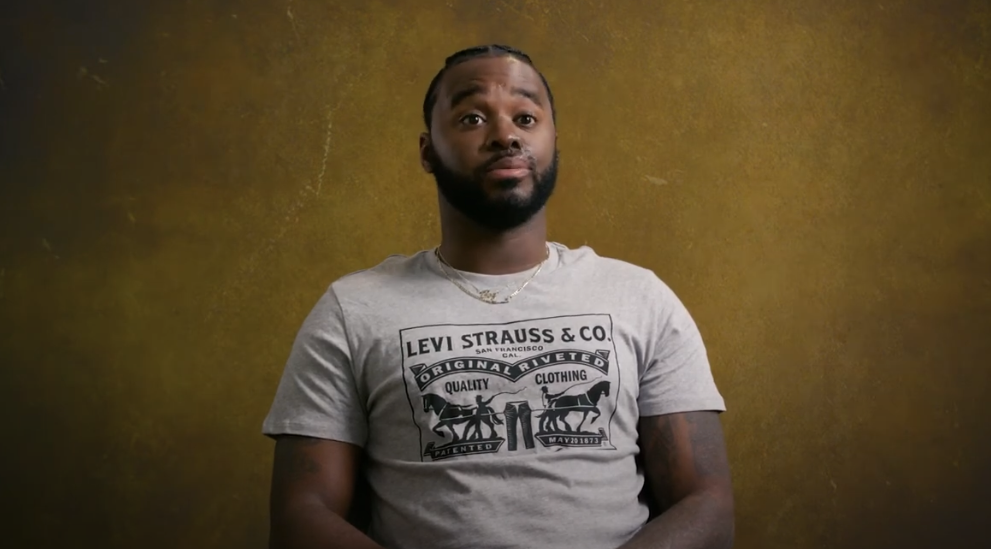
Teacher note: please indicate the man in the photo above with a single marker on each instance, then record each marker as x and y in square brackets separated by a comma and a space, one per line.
[382, 378]
[484, 414]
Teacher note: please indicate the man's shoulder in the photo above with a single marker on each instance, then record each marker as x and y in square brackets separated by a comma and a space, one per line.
[623, 283]
[390, 271]
[618, 272]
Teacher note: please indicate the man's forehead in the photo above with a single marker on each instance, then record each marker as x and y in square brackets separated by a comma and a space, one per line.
[488, 72]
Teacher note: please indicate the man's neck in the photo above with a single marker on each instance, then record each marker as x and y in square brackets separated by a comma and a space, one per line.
[467, 247]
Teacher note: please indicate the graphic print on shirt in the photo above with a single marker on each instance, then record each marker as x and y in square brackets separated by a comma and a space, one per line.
[527, 386]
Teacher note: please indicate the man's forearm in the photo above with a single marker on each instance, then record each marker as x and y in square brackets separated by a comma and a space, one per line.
[700, 521]
[313, 526]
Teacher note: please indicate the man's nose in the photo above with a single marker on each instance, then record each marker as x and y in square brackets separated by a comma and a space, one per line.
[503, 134]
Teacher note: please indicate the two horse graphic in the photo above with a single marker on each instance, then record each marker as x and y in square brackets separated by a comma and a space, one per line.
[473, 417]
[449, 415]
[583, 403]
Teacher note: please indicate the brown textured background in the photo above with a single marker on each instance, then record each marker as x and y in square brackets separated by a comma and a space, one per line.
[179, 181]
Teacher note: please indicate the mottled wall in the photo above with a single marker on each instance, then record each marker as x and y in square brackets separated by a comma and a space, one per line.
[179, 181]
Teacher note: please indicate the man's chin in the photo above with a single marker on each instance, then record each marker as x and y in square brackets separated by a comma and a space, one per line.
[510, 189]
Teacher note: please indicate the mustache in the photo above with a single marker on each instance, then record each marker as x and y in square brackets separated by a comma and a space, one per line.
[525, 155]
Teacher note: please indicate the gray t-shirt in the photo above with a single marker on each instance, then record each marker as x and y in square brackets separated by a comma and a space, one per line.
[496, 426]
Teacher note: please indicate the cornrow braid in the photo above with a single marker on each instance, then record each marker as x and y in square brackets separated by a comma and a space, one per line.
[491, 50]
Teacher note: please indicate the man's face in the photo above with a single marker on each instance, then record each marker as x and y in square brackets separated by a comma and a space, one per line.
[492, 145]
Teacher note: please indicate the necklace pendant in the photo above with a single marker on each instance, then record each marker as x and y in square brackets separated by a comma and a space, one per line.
[487, 296]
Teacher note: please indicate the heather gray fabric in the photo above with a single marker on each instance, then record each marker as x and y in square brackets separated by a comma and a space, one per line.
[496, 426]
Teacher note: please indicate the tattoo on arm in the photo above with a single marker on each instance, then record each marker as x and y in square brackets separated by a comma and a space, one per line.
[292, 461]
[660, 447]
[683, 452]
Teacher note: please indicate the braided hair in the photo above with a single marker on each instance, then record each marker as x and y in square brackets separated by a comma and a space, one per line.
[491, 50]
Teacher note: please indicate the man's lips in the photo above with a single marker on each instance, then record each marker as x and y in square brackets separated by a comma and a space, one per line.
[509, 163]
[512, 167]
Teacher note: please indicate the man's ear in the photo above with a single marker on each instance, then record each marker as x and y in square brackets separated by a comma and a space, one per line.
[426, 152]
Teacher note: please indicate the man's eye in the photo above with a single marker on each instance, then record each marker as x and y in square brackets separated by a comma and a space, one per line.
[527, 119]
[471, 119]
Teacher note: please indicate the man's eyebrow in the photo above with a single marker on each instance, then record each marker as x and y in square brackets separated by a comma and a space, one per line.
[476, 89]
[460, 96]
[529, 94]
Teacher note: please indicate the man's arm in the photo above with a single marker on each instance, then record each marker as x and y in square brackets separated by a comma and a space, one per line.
[313, 483]
[685, 463]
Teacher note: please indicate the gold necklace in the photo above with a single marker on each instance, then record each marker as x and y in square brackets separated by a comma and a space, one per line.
[487, 296]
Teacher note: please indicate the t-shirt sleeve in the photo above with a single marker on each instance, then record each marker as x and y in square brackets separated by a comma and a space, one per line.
[317, 395]
[676, 376]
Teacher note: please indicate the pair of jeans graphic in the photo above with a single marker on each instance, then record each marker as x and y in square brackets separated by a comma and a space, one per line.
[518, 411]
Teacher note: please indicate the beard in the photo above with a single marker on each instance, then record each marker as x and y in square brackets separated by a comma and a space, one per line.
[468, 195]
